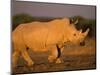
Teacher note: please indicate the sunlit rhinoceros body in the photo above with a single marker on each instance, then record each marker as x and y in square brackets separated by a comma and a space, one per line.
[44, 36]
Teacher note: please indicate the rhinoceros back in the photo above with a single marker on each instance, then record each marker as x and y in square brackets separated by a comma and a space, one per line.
[39, 35]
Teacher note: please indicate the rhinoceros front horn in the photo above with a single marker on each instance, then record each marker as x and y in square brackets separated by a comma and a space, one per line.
[86, 32]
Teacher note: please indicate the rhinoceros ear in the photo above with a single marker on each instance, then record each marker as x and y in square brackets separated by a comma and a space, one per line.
[71, 21]
[76, 21]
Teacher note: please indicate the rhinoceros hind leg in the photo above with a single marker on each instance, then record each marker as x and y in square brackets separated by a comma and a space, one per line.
[27, 58]
[15, 56]
[53, 54]
[51, 58]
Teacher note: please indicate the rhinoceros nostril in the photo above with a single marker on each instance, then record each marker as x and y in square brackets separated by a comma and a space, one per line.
[82, 43]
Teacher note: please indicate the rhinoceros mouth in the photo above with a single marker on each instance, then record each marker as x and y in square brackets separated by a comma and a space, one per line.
[82, 43]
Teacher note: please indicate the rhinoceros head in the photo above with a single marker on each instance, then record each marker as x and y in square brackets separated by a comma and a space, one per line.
[72, 35]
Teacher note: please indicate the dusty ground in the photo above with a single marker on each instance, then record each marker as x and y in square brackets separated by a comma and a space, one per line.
[74, 57]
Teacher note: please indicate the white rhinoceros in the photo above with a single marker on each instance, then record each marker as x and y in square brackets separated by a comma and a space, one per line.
[44, 36]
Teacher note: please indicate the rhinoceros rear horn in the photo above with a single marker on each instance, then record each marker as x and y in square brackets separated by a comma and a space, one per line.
[86, 32]
[80, 30]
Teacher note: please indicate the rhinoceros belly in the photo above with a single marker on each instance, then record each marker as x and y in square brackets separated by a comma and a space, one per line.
[36, 39]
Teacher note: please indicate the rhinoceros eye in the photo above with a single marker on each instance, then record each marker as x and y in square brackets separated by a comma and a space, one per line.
[74, 34]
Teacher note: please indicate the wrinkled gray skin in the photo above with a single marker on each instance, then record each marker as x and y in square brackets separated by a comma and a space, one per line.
[44, 36]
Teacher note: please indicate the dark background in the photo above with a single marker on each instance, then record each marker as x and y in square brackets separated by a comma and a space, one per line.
[24, 12]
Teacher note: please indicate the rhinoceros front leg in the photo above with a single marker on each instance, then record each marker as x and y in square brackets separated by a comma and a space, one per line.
[55, 54]
[60, 50]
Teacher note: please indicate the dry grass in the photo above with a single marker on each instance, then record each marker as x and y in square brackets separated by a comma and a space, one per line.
[75, 58]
